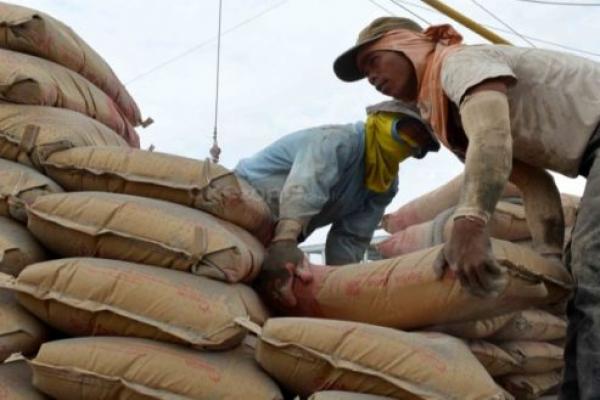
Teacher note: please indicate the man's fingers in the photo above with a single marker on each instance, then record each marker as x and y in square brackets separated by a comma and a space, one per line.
[439, 265]
[284, 293]
[303, 272]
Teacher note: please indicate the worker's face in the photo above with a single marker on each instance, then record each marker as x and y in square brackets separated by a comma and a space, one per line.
[391, 73]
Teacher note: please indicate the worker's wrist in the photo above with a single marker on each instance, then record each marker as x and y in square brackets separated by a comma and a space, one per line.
[288, 229]
[472, 214]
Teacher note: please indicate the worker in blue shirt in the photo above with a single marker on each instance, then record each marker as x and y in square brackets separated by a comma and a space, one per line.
[343, 175]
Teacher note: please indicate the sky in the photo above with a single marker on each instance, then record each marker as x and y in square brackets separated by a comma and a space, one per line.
[276, 72]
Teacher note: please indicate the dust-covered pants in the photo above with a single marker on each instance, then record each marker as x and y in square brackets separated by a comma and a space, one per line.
[582, 353]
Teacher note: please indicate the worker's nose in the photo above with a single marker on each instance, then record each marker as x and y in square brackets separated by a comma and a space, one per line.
[372, 77]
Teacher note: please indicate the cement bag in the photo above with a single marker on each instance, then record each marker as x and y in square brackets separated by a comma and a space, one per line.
[405, 292]
[535, 357]
[19, 186]
[535, 325]
[88, 296]
[477, 329]
[108, 368]
[427, 206]
[19, 331]
[508, 222]
[15, 382]
[25, 79]
[496, 361]
[146, 231]
[531, 387]
[29, 134]
[309, 355]
[18, 248]
[30, 31]
[194, 183]
[338, 395]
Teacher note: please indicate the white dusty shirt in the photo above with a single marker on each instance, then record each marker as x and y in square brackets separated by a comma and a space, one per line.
[554, 101]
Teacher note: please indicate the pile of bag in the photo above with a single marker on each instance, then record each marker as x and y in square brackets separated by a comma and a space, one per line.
[127, 273]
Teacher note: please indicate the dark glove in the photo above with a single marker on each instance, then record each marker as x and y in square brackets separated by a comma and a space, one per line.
[468, 253]
[283, 262]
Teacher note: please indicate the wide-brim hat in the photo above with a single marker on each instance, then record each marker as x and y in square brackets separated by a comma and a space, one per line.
[345, 65]
[410, 111]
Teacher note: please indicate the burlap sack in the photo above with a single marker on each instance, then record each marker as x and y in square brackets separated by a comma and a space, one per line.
[25, 79]
[531, 387]
[535, 325]
[193, 183]
[33, 32]
[19, 331]
[535, 357]
[87, 296]
[337, 395]
[19, 186]
[496, 361]
[108, 368]
[28, 134]
[309, 355]
[18, 248]
[426, 207]
[477, 329]
[406, 293]
[15, 382]
[145, 231]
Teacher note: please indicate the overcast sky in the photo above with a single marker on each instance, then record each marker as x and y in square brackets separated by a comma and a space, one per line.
[276, 68]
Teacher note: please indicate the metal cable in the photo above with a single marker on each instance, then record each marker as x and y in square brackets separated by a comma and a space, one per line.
[561, 3]
[411, 12]
[215, 150]
[491, 14]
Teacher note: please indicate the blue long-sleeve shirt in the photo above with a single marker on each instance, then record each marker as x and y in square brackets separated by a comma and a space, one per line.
[318, 174]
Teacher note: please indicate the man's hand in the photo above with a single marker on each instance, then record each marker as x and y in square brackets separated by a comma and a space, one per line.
[468, 253]
[284, 262]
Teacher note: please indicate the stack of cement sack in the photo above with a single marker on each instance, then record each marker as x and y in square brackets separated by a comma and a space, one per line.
[131, 270]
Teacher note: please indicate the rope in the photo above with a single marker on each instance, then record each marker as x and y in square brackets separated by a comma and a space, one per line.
[215, 150]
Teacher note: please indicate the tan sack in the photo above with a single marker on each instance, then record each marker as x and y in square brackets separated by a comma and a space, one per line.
[18, 248]
[15, 382]
[477, 329]
[427, 206]
[19, 186]
[531, 387]
[25, 79]
[535, 357]
[338, 395]
[496, 361]
[538, 325]
[309, 355]
[145, 231]
[90, 296]
[30, 31]
[19, 331]
[30, 133]
[194, 183]
[406, 293]
[108, 368]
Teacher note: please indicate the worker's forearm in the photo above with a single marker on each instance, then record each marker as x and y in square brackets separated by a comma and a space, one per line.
[486, 120]
[543, 207]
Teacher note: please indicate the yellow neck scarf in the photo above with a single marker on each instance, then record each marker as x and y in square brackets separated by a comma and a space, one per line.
[383, 153]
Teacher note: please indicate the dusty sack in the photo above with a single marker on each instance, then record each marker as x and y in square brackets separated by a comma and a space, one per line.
[30, 31]
[15, 382]
[309, 355]
[19, 186]
[146, 231]
[535, 357]
[194, 183]
[496, 361]
[18, 248]
[19, 331]
[29, 134]
[107, 368]
[531, 387]
[25, 79]
[86, 296]
[337, 395]
[538, 325]
[406, 293]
